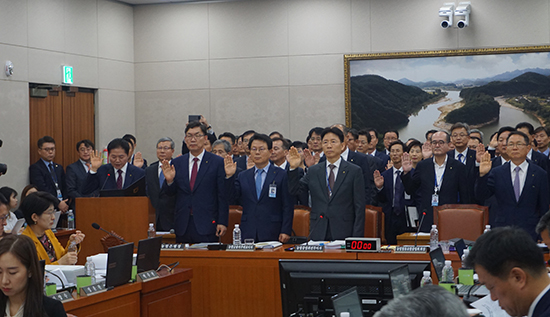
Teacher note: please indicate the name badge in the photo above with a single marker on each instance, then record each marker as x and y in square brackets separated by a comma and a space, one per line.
[435, 200]
[272, 191]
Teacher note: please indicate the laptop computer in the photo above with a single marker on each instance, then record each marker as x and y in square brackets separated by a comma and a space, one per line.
[400, 281]
[119, 264]
[137, 188]
[347, 301]
[148, 254]
[459, 248]
[56, 220]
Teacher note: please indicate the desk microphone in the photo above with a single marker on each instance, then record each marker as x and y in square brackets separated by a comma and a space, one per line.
[98, 227]
[419, 226]
[321, 216]
[105, 182]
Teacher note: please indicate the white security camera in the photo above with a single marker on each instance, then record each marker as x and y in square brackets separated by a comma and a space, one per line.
[464, 9]
[447, 10]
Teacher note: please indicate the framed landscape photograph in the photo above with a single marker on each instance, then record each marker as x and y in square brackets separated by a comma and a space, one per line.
[414, 92]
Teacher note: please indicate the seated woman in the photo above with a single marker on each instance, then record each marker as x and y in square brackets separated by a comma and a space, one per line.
[11, 196]
[22, 281]
[40, 214]
[4, 214]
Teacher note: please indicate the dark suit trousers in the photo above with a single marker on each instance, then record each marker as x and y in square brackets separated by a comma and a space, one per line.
[192, 236]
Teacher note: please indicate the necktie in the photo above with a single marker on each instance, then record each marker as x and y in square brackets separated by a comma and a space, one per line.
[398, 198]
[331, 179]
[52, 172]
[516, 182]
[194, 171]
[460, 156]
[119, 180]
[161, 178]
[259, 183]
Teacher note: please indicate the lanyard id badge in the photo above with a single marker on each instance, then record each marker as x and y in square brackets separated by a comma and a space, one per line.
[435, 198]
[272, 191]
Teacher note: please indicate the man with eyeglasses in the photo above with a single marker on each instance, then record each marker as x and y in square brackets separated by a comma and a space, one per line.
[77, 172]
[390, 136]
[519, 186]
[441, 180]
[460, 136]
[263, 192]
[197, 179]
[47, 175]
[164, 205]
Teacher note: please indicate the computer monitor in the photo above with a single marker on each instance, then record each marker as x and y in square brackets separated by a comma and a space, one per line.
[119, 264]
[148, 254]
[308, 285]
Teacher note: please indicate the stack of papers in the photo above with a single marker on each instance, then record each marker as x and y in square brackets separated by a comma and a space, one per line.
[336, 244]
[268, 245]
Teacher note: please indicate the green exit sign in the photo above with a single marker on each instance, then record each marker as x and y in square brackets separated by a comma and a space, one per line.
[68, 75]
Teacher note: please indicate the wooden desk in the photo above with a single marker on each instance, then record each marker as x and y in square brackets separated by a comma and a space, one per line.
[239, 283]
[407, 238]
[163, 296]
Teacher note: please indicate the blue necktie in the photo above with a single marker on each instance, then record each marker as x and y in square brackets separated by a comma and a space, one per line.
[460, 156]
[161, 178]
[259, 183]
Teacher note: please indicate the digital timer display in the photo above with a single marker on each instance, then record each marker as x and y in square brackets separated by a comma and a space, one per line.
[363, 244]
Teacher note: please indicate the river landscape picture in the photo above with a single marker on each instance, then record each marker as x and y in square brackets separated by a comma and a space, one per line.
[416, 94]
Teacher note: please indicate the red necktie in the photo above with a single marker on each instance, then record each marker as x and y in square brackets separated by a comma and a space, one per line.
[194, 173]
[119, 180]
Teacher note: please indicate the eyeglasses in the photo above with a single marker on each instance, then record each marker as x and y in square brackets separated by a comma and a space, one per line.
[440, 143]
[518, 145]
[48, 149]
[164, 148]
[49, 212]
[194, 136]
[4, 218]
[332, 142]
[315, 138]
[85, 149]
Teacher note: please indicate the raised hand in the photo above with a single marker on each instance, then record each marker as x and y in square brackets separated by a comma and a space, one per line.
[293, 158]
[250, 163]
[95, 161]
[169, 171]
[138, 160]
[378, 179]
[230, 166]
[406, 162]
[480, 151]
[309, 159]
[485, 164]
[427, 150]
[494, 141]
[389, 165]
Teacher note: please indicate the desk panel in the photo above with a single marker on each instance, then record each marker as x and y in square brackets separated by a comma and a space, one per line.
[121, 301]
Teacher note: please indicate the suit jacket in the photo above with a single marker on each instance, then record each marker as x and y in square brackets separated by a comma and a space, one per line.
[344, 209]
[52, 307]
[543, 306]
[394, 224]
[303, 198]
[75, 179]
[454, 185]
[164, 205]
[267, 217]
[533, 201]
[366, 163]
[471, 169]
[105, 178]
[40, 251]
[383, 159]
[241, 162]
[40, 177]
[208, 198]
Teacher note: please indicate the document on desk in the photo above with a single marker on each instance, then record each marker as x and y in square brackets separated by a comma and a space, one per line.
[489, 307]
[268, 245]
[336, 244]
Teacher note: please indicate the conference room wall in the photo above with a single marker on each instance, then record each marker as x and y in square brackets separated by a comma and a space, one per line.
[96, 37]
[278, 65]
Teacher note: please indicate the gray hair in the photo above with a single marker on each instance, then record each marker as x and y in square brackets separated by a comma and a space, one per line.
[226, 145]
[167, 139]
[544, 223]
[428, 301]
[477, 131]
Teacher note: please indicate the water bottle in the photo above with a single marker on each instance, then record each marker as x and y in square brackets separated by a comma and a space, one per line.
[426, 279]
[90, 268]
[447, 275]
[105, 156]
[464, 256]
[72, 247]
[434, 238]
[237, 235]
[70, 220]
[151, 233]
[487, 228]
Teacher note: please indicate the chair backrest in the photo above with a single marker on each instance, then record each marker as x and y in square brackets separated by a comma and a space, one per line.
[300, 224]
[235, 213]
[110, 241]
[461, 221]
[374, 222]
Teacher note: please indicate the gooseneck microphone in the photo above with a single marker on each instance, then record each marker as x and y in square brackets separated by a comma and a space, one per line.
[419, 226]
[98, 227]
[105, 182]
[321, 216]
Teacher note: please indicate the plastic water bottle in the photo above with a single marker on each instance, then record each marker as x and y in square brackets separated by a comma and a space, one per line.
[487, 228]
[426, 279]
[151, 233]
[464, 256]
[90, 268]
[105, 156]
[447, 275]
[434, 238]
[70, 219]
[237, 235]
[72, 247]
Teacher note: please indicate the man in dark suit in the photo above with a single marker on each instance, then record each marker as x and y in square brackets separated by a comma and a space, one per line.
[278, 158]
[512, 267]
[519, 186]
[164, 205]
[460, 136]
[263, 191]
[118, 174]
[198, 181]
[77, 172]
[381, 155]
[229, 137]
[337, 190]
[390, 136]
[535, 156]
[441, 180]
[47, 175]
[391, 193]
[242, 161]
